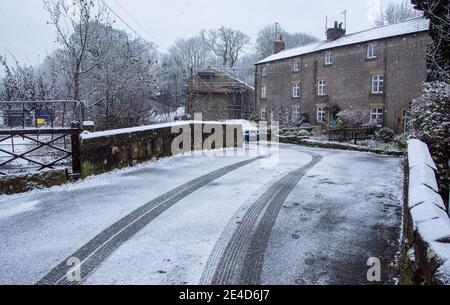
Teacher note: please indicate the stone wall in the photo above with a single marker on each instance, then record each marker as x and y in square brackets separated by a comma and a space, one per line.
[304, 141]
[23, 183]
[426, 249]
[105, 151]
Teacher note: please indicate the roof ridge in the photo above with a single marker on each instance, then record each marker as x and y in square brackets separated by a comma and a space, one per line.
[315, 46]
[354, 33]
[384, 26]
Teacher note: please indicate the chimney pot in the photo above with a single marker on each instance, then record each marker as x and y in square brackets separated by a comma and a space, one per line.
[337, 32]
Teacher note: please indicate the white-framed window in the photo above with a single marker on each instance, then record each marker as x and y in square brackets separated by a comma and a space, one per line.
[377, 83]
[296, 66]
[372, 51]
[295, 90]
[376, 116]
[321, 114]
[263, 113]
[264, 92]
[321, 87]
[295, 114]
[328, 59]
[264, 71]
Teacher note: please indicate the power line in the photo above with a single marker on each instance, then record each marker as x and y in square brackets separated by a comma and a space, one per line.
[120, 18]
[137, 22]
[129, 26]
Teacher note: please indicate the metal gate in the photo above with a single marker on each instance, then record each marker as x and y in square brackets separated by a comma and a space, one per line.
[34, 150]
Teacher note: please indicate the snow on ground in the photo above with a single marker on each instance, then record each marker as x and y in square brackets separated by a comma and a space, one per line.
[69, 216]
[8, 211]
[175, 247]
[345, 210]
[352, 194]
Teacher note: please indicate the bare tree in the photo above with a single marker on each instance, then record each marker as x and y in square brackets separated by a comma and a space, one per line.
[121, 90]
[397, 12]
[354, 118]
[185, 57]
[190, 54]
[75, 22]
[267, 36]
[227, 44]
[23, 83]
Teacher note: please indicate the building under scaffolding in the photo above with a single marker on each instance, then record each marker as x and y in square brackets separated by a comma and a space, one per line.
[219, 95]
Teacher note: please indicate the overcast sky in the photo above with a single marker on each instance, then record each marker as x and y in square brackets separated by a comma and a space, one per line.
[24, 32]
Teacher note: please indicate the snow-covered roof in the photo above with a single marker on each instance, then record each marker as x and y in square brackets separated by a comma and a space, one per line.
[402, 28]
[214, 70]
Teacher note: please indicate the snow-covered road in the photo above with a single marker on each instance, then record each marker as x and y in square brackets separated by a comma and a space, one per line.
[314, 218]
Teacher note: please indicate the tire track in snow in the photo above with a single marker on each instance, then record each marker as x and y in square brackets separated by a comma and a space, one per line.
[240, 261]
[93, 253]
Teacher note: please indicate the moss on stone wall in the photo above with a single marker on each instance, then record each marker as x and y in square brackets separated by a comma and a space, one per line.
[27, 182]
[103, 154]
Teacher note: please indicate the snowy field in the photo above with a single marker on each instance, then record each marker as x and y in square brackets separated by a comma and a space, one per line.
[311, 234]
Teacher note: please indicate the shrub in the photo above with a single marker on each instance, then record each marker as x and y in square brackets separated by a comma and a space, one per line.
[334, 108]
[254, 117]
[431, 124]
[385, 135]
[340, 124]
[304, 133]
[297, 132]
[401, 141]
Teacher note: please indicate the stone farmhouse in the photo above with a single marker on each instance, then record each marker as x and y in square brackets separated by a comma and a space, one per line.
[219, 95]
[378, 71]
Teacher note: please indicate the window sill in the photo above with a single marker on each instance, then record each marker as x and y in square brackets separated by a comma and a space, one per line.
[371, 58]
[327, 65]
[376, 94]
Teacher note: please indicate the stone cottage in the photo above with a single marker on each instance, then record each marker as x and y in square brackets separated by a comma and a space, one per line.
[377, 71]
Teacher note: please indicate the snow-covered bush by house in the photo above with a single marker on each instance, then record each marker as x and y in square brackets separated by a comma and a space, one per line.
[431, 124]
[354, 118]
[254, 117]
[294, 132]
[401, 141]
[385, 135]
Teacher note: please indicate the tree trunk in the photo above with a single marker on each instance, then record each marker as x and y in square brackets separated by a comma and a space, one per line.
[76, 81]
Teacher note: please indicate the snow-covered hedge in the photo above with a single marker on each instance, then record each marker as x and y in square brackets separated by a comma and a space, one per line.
[428, 231]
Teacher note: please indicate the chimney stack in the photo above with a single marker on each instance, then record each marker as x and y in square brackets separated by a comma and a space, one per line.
[337, 32]
[279, 45]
